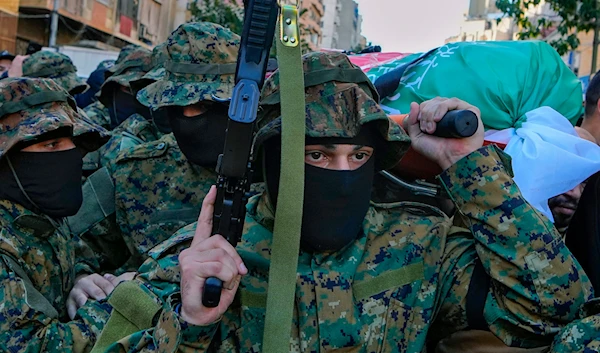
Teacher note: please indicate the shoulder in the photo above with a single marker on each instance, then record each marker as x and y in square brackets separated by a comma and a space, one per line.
[384, 216]
[96, 108]
[179, 240]
[406, 230]
[148, 150]
[133, 125]
[163, 262]
[127, 136]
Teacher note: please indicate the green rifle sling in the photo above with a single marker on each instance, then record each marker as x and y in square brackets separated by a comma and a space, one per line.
[288, 216]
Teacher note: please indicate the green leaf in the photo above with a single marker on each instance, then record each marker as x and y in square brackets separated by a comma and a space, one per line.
[572, 16]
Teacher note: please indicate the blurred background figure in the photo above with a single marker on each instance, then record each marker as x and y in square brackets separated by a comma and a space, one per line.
[57, 66]
[95, 81]
[563, 206]
[6, 59]
[11, 65]
[591, 117]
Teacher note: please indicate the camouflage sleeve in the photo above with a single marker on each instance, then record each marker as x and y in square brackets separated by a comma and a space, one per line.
[581, 336]
[171, 333]
[455, 275]
[101, 248]
[106, 246]
[537, 286]
[25, 329]
[86, 261]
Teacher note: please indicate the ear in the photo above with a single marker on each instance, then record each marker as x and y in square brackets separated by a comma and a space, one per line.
[598, 106]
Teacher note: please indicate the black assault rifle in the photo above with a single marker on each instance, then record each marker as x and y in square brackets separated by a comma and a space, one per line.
[234, 165]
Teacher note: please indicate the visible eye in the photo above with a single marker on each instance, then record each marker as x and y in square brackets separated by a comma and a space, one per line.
[52, 144]
[315, 156]
[360, 156]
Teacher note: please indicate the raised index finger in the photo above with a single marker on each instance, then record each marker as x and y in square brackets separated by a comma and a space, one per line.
[205, 220]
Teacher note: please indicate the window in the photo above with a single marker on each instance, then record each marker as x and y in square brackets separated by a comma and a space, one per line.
[128, 8]
[150, 16]
[74, 7]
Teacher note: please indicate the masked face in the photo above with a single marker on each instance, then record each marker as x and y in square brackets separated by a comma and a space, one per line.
[201, 137]
[51, 179]
[123, 106]
[160, 118]
[337, 190]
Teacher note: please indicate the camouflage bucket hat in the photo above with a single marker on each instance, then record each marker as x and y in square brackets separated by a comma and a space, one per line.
[42, 106]
[339, 100]
[155, 72]
[105, 64]
[57, 66]
[200, 66]
[128, 67]
[125, 52]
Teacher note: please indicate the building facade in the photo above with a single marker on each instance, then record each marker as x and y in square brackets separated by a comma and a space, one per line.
[481, 8]
[481, 24]
[311, 16]
[330, 22]
[9, 18]
[112, 23]
[342, 25]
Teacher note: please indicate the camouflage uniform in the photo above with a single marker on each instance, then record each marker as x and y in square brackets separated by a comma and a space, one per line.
[582, 335]
[97, 113]
[406, 276]
[105, 64]
[57, 66]
[159, 56]
[102, 233]
[41, 246]
[157, 190]
[132, 64]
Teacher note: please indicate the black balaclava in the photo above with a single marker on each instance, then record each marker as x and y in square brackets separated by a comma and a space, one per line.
[201, 138]
[48, 182]
[335, 201]
[125, 105]
[160, 118]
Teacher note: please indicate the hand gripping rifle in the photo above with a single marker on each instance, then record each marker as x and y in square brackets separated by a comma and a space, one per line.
[234, 165]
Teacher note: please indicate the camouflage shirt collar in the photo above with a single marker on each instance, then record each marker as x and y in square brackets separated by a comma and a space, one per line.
[26, 220]
[262, 211]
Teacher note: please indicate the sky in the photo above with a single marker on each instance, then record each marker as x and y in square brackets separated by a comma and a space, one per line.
[411, 26]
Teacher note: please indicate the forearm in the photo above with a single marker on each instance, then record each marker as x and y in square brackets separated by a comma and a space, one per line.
[27, 330]
[171, 333]
[85, 260]
[537, 284]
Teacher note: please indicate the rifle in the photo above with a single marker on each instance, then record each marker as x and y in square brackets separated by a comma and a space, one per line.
[234, 165]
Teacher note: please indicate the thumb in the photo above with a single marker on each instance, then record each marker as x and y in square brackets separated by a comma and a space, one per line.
[109, 277]
[411, 123]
